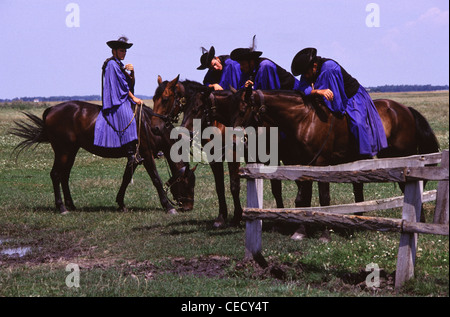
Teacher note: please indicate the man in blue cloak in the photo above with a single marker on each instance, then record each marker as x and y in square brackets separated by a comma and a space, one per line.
[116, 126]
[222, 73]
[342, 94]
[260, 72]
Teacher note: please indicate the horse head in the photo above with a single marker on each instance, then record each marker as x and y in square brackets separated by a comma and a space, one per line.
[181, 185]
[250, 107]
[168, 103]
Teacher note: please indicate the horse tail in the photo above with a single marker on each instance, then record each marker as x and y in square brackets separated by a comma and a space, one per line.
[427, 141]
[32, 131]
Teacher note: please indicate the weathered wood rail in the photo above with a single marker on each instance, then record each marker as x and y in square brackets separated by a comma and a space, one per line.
[412, 170]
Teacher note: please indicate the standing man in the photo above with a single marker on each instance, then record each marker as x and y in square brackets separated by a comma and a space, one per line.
[222, 73]
[260, 72]
[116, 126]
[342, 94]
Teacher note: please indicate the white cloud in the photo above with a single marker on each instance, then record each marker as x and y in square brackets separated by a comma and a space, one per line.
[432, 17]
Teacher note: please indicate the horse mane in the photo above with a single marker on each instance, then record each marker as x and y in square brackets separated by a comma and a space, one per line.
[312, 102]
[191, 87]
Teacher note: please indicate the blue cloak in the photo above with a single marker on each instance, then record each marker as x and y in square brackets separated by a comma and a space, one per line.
[270, 76]
[116, 110]
[365, 123]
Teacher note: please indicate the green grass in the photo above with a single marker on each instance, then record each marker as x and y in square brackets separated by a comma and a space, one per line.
[148, 253]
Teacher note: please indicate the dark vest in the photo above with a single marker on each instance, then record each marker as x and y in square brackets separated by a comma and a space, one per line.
[351, 85]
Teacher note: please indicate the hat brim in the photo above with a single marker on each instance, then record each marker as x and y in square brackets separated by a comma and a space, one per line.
[241, 54]
[209, 57]
[119, 44]
[301, 61]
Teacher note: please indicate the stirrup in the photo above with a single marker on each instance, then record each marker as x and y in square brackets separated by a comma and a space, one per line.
[135, 159]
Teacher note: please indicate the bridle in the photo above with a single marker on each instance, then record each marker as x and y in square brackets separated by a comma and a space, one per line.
[173, 180]
[173, 116]
[256, 111]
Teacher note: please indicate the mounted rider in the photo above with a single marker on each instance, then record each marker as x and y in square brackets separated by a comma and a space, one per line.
[116, 126]
[261, 72]
[342, 94]
[222, 73]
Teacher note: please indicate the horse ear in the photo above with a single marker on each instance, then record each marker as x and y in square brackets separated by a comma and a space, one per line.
[173, 82]
[194, 168]
[159, 80]
[233, 90]
[180, 88]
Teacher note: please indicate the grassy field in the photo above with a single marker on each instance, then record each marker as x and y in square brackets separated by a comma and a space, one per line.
[146, 252]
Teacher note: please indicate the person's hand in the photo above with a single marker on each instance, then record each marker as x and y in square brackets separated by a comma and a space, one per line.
[216, 86]
[129, 67]
[327, 93]
[249, 83]
[138, 101]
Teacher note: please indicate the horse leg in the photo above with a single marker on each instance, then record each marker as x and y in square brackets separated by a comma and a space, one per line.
[217, 169]
[358, 192]
[324, 199]
[126, 179]
[150, 166]
[67, 167]
[235, 187]
[303, 199]
[59, 176]
[56, 181]
[275, 185]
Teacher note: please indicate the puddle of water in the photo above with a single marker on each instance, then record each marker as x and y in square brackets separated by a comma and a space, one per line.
[19, 251]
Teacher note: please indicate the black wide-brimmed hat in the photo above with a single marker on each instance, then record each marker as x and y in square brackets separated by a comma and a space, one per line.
[241, 54]
[206, 58]
[302, 59]
[122, 42]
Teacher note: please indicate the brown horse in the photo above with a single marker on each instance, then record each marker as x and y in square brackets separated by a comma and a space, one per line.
[175, 97]
[215, 109]
[312, 135]
[69, 126]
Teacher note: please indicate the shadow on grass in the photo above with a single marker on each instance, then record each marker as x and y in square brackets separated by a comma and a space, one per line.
[92, 209]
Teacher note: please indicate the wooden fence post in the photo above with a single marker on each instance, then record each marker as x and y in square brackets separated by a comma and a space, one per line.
[442, 196]
[253, 228]
[408, 241]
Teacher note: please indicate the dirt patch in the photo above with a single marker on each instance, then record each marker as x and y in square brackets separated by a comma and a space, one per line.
[213, 266]
[295, 273]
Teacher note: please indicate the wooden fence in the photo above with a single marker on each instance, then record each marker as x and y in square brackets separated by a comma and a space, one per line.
[412, 170]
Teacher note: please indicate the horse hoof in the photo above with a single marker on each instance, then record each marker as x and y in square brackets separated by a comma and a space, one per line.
[297, 236]
[235, 222]
[123, 209]
[325, 239]
[64, 212]
[219, 223]
[172, 211]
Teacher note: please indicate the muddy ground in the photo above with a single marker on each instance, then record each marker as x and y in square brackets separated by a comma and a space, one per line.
[213, 266]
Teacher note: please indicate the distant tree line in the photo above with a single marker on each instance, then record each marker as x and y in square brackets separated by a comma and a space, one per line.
[405, 88]
[385, 88]
[63, 98]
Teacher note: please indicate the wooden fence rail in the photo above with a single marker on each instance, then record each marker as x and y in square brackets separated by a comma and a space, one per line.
[412, 170]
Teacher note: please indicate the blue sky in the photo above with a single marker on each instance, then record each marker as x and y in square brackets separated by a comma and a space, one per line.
[43, 56]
